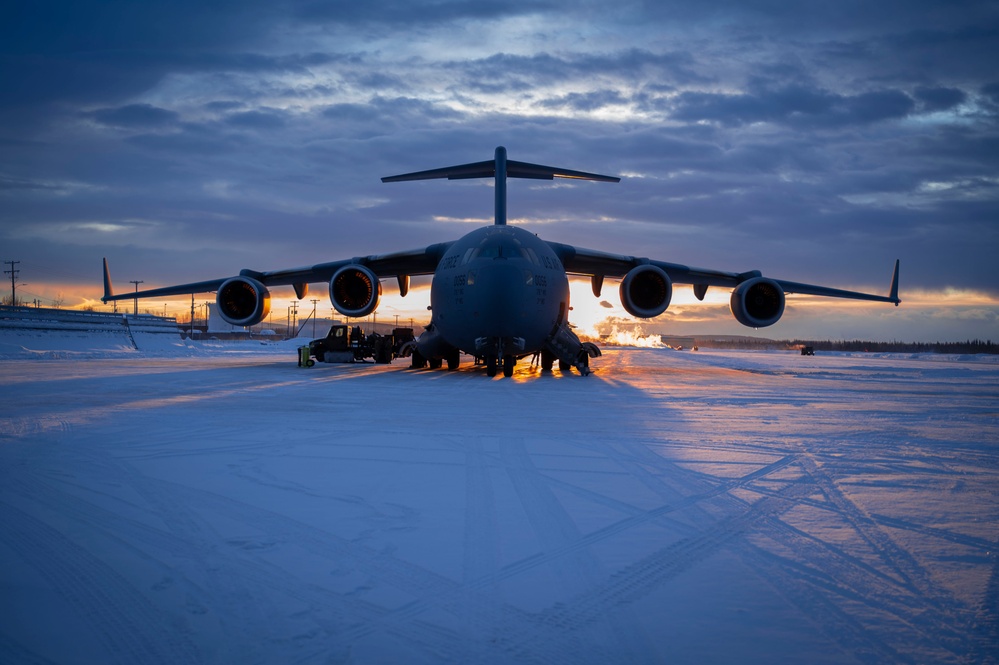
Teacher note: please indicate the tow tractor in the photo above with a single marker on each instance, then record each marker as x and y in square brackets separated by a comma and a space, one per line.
[346, 344]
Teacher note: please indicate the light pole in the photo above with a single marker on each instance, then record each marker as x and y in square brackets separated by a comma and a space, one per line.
[135, 300]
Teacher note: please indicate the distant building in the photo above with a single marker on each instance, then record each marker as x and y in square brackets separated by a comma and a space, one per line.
[216, 324]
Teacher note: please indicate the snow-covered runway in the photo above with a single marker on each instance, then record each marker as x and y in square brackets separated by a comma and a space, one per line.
[708, 507]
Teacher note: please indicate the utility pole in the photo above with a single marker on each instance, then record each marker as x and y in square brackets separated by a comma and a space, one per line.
[13, 281]
[314, 301]
[294, 318]
[192, 316]
[135, 300]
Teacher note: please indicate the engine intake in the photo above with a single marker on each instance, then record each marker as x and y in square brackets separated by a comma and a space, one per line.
[646, 291]
[354, 290]
[243, 301]
[758, 302]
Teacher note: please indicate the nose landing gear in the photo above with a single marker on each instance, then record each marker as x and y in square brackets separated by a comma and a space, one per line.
[493, 363]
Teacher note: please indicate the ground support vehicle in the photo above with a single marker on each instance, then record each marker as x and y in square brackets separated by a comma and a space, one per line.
[346, 344]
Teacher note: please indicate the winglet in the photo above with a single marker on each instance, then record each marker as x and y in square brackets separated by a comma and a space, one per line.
[893, 292]
[108, 291]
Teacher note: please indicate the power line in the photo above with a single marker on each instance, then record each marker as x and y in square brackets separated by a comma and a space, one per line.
[13, 281]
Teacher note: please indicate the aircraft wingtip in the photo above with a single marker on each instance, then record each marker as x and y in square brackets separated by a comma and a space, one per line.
[108, 290]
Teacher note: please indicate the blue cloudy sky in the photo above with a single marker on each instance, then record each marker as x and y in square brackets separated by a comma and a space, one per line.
[815, 141]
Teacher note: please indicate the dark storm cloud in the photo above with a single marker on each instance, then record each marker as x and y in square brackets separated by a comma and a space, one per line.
[586, 101]
[263, 119]
[505, 72]
[792, 105]
[407, 13]
[145, 116]
[940, 99]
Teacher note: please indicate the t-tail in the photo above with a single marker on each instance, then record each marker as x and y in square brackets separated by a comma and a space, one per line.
[500, 168]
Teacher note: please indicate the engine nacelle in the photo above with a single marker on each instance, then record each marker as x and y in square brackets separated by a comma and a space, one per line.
[354, 290]
[758, 302]
[646, 291]
[243, 301]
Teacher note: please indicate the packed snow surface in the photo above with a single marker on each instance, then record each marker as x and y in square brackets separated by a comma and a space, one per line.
[222, 505]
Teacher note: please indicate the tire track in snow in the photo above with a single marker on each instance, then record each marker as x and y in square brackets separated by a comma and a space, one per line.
[941, 613]
[430, 589]
[848, 633]
[989, 611]
[651, 572]
[12, 651]
[127, 624]
[481, 549]
[555, 529]
[337, 613]
[29, 426]
[639, 519]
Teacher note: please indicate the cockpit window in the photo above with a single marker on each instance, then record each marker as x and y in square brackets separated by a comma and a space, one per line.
[502, 247]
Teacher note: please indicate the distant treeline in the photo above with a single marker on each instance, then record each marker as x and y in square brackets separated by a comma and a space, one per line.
[970, 346]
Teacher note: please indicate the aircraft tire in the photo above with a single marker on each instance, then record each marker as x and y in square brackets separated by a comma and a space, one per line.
[491, 363]
[435, 363]
[547, 360]
[508, 363]
[453, 360]
[564, 366]
[419, 362]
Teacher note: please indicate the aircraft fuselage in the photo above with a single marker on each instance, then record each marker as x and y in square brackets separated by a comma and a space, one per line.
[498, 291]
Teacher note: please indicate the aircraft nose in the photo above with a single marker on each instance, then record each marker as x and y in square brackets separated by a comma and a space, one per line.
[499, 295]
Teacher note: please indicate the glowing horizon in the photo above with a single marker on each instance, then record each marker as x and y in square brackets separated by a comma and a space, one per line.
[918, 319]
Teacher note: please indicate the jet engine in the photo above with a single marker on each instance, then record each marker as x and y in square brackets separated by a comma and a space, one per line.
[646, 291]
[243, 301]
[758, 302]
[354, 290]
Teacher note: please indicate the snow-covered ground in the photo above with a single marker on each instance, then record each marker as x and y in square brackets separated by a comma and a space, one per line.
[222, 505]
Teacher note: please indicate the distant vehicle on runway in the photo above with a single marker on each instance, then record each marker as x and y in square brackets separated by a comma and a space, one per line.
[500, 293]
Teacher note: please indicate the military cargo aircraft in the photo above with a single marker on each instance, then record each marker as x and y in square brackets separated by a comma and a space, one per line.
[500, 293]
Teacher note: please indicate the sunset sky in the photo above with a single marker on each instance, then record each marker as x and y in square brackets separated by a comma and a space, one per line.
[814, 141]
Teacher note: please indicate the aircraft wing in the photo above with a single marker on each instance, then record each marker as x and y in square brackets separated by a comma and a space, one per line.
[597, 265]
[396, 264]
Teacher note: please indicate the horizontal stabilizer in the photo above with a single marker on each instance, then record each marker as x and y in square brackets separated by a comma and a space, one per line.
[487, 169]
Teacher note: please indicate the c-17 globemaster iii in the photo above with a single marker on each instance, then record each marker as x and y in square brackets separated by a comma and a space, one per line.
[500, 293]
